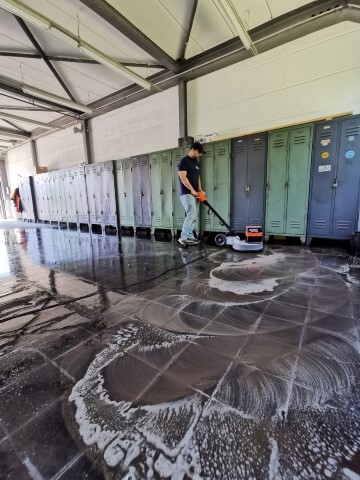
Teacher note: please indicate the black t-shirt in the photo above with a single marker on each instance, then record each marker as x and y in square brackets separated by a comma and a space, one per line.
[192, 167]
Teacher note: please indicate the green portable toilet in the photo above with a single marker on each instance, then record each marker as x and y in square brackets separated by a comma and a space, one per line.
[288, 178]
[124, 193]
[161, 190]
[215, 179]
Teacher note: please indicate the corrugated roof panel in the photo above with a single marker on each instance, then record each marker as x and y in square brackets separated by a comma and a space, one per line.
[164, 22]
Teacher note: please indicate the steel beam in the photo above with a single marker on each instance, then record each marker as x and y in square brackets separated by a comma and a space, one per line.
[11, 124]
[20, 55]
[15, 134]
[276, 32]
[118, 21]
[44, 57]
[30, 109]
[188, 30]
[300, 22]
[19, 93]
[53, 58]
[6, 116]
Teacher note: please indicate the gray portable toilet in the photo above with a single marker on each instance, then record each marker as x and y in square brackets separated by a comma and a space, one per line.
[335, 180]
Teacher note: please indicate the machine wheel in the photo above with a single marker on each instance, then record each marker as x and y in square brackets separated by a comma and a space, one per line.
[220, 240]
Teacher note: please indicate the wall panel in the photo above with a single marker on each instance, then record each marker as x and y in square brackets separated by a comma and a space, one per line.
[19, 162]
[306, 79]
[60, 150]
[148, 125]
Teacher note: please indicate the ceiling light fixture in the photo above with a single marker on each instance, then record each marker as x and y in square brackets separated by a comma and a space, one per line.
[55, 98]
[25, 13]
[233, 17]
[26, 120]
[116, 67]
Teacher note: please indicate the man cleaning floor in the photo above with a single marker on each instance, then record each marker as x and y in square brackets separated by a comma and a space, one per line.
[190, 185]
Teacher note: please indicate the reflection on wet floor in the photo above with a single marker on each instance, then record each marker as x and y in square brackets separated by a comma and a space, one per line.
[137, 359]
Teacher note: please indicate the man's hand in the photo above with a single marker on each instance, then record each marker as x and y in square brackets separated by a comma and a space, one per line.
[193, 193]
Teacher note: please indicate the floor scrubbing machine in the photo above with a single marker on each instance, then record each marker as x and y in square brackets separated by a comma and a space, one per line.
[253, 241]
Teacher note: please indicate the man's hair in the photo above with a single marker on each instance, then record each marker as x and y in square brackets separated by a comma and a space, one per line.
[198, 146]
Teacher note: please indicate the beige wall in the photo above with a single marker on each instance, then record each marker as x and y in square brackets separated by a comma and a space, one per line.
[309, 78]
[146, 126]
[19, 162]
[59, 150]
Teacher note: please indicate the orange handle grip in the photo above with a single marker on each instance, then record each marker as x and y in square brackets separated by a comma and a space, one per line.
[201, 197]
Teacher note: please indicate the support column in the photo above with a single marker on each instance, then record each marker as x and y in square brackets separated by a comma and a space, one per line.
[182, 86]
[86, 140]
[34, 153]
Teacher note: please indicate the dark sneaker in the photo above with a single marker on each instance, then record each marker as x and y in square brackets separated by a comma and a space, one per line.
[182, 241]
[193, 241]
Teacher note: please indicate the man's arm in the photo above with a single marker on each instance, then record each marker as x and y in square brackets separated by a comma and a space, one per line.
[185, 181]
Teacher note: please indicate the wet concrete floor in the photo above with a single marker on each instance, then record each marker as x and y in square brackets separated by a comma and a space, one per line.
[139, 360]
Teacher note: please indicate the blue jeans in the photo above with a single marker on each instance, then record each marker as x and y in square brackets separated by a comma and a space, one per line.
[191, 209]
